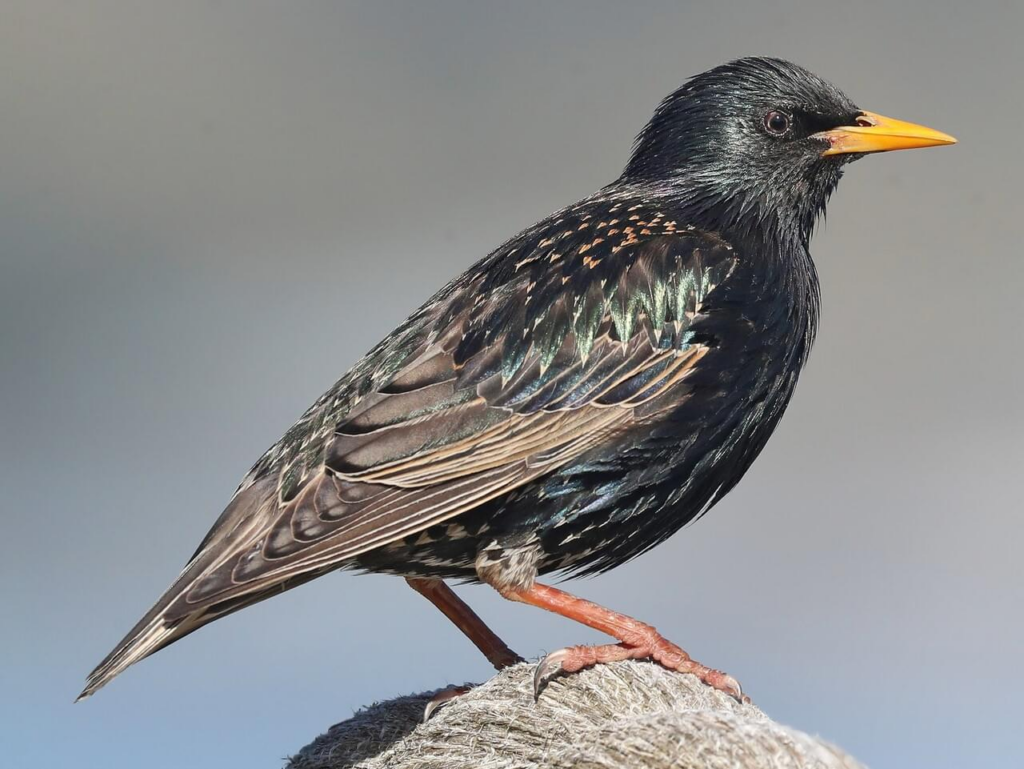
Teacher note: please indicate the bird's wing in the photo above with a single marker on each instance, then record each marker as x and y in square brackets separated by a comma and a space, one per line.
[555, 348]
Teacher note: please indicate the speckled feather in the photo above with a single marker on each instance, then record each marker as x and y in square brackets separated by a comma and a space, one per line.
[591, 371]
[569, 340]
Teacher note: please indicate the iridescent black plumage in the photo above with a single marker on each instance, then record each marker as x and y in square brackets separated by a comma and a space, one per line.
[574, 398]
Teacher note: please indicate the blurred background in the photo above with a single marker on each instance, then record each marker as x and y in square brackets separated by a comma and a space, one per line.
[209, 211]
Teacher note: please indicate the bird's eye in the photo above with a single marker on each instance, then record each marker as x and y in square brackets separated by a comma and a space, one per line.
[776, 122]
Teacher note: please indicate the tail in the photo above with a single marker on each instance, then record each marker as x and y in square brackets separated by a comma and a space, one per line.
[152, 633]
[167, 621]
[163, 625]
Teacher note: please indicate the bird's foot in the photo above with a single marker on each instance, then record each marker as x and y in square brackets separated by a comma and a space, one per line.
[655, 647]
[637, 640]
[442, 698]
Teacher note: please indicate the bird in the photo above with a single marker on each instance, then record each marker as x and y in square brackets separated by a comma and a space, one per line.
[574, 398]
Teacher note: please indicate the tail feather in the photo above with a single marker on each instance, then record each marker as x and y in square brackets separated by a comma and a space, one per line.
[151, 634]
[165, 623]
[155, 632]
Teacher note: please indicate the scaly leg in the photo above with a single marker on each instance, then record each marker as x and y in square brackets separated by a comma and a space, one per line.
[637, 640]
[466, 620]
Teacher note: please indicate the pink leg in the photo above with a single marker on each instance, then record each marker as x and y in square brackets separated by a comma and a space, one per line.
[474, 628]
[637, 640]
[466, 620]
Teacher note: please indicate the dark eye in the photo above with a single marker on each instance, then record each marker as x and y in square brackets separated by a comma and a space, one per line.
[776, 123]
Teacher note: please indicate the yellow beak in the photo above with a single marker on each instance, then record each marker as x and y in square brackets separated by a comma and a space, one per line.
[875, 133]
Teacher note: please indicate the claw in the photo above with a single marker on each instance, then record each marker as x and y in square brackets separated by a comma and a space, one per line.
[431, 707]
[546, 669]
[441, 699]
[733, 688]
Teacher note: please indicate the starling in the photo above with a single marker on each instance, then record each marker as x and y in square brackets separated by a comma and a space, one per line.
[573, 399]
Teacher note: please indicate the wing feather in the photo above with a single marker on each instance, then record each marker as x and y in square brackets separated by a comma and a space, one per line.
[519, 380]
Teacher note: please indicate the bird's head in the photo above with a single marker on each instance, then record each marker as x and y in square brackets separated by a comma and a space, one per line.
[761, 141]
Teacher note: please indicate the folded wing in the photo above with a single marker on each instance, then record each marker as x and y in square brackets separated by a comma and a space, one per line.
[481, 408]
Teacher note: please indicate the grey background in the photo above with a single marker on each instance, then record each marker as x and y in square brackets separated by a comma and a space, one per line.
[208, 211]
